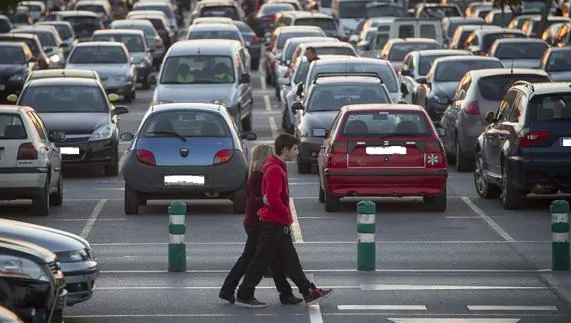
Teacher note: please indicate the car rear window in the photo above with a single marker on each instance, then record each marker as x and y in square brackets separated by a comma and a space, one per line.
[559, 61]
[4, 26]
[98, 55]
[46, 37]
[375, 124]
[271, 9]
[164, 9]
[520, 50]
[158, 23]
[426, 61]
[12, 55]
[441, 12]
[65, 99]
[491, 38]
[90, 7]
[400, 50]
[502, 20]
[221, 11]
[147, 30]
[134, 44]
[454, 70]
[186, 124]
[335, 50]
[214, 34]
[283, 37]
[64, 31]
[330, 97]
[494, 88]
[323, 23]
[549, 107]
[385, 72]
[12, 127]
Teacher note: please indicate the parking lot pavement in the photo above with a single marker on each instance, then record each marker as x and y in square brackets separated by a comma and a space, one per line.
[457, 265]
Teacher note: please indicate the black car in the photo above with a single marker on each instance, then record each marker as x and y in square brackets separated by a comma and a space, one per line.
[78, 108]
[33, 43]
[31, 277]
[16, 62]
[253, 42]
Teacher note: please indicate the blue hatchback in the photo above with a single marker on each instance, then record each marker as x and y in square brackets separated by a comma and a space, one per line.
[186, 151]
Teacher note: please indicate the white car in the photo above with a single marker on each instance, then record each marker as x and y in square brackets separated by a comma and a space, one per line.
[30, 163]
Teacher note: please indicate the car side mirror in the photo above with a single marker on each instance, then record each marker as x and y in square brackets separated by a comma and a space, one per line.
[354, 39]
[364, 45]
[56, 136]
[126, 136]
[299, 91]
[422, 80]
[120, 109]
[12, 98]
[297, 105]
[248, 136]
[490, 118]
[441, 131]
[404, 89]
[244, 78]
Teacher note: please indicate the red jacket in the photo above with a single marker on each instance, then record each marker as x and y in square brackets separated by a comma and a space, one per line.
[275, 192]
[253, 199]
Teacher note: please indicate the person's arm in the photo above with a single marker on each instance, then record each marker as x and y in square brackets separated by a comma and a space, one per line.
[274, 181]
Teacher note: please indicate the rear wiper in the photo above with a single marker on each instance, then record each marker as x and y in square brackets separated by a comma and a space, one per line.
[404, 134]
[171, 133]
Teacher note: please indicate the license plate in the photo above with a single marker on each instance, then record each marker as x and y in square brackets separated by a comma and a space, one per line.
[393, 150]
[184, 180]
[69, 150]
[2, 87]
[566, 142]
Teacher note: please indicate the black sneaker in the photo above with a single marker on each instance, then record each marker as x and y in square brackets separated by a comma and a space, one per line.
[317, 294]
[251, 303]
[290, 300]
[229, 297]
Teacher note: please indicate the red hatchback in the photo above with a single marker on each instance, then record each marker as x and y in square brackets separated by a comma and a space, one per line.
[383, 150]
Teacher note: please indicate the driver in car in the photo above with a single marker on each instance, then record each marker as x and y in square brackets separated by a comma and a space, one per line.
[223, 73]
[183, 74]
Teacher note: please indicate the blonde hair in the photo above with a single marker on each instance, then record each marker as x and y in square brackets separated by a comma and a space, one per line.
[260, 153]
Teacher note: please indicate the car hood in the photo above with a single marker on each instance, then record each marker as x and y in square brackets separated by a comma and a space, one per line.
[320, 120]
[192, 93]
[521, 63]
[52, 239]
[444, 89]
[104, 70]
[74, 123]
[560, 76]
[10, 69]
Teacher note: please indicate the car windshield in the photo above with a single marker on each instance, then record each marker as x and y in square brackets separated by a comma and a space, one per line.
[494, 87]
[272, 9]
[185, 124]
[133, 43]
[283, 37]
[301, 72]
[559, 61]
[147, 30]
[46, 37]
[352, 9]
[399, 51]
[335, 50]
[454, 70]
[12, 127]
[453, 25]
[90, 7]
[323, 23]
[64, 31]
[65, 99]
[520, 50]
[244, 28]
[215, 34]
[5, 26]
[198, 69]
[220, 11]
[426, 61]
[98, 55]
[549, 107]
[12, 55]
[441, 11]
[385, 124]
[491, 38]
[164, 9]
[332, 97]
[384, 11]
[384, 71]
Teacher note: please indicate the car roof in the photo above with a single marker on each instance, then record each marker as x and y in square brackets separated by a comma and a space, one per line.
[549, 87]
[186, 106]
[63, 81]
[213, 26]
[214, 19]
[382, 107]
[349, 79]
[559, 49]
[319, 44]
[131, 22]
[152, 3]
[435, 52]
[204, 47]
[9, 108]
[551, 18]
[53, 23]
[303, 39]
[342, 59]
[12, 44]
[489, 31]
[46, 28]
[19, 35]
[477, 27]
[305, 14]
[218, 4]
[100, 43]
[451, 19]
[465, 58]
[145, 13]
[90, 2]
[506, 71]
[413, 40]
[28, 248]
[520, 40]
[293, 29]
[69, 13]
[118, 31]
[53, 73]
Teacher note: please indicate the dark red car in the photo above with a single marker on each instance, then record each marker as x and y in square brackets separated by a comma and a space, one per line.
[377, 150]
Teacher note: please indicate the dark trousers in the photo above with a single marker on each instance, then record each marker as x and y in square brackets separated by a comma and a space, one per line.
[274, 246]
[239, 269]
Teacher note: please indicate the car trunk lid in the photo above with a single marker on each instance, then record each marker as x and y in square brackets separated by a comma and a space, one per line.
[386, 153]
[170, 151]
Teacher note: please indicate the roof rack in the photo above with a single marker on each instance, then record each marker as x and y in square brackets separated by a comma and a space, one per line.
[367, 74]
[524, 83]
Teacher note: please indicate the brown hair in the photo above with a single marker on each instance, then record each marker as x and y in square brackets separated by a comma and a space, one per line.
[285, 140]
[260, 153]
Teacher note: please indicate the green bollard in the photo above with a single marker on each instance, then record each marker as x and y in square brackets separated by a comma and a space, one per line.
[366, 253]
[560, 235]
[177, 229]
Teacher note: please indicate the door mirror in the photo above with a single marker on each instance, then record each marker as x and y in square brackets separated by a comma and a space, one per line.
[249, 136]
[12, 98]
[244, 78]
[120, 109]
[354, 39]
[441, 131]
[422, 80]
[490, 118]
[126, 136]
[404, 89]
[297, 105]
[299, 91]
[56, 136]
[364, 45]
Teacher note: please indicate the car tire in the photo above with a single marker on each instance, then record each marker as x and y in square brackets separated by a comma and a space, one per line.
[255, 64]
[463, 164]
[146, 84]
[41, 203]
[331, 202]
[112, 170]
[302, 166]
[239, 201]
[484, 189]
[321, 194]
[511, 197]
[435, 203]
[56, 199]
[247, 123]
[131, 201]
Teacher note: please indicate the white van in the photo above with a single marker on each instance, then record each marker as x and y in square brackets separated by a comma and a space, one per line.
[416, 28]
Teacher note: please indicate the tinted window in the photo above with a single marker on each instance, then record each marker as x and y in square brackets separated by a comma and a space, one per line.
[222, 11]
[428, 31]
[406, 31]
[46, 38]
[12, 55]
[65, 99]
[19, 18]
[213, 34]
[147, 30]
[98, 55]
[440, 12]
[425, 63]
[381, 40]
[385, 72]
[494, 88]
[335, 51]
[549, 107]
[333, 97]
[83, 26]
[159, 24]
[12, 127]
[507, 17]
[63, 31]
[323, 23]
[520, 50]
[4, 26]
[30, 42]
[380, 124]
[275, 8]
[399, 50]
[90, 7]
[301, 73]
[133, 43]
[352, 9]
[186, 124]
[453, 71]
[283, 37]
[200, 69]
[453, 25]
[164, 9]
[385, 11]
[559, 61]
[244, 28]
[490, 39]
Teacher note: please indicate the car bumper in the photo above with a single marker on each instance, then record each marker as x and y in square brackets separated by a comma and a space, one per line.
[143, 71]
[526, 173]
[309, 148]
[435, 110]
[103, 152]
[79, 280]
[220, 180]
[120, 89]
[19, 180]
[398, 182]
[255, 51]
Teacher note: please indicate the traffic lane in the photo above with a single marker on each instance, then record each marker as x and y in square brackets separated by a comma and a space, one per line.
[400, 317]
[185, 318]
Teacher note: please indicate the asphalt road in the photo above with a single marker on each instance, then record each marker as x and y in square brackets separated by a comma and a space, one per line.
[473, 263]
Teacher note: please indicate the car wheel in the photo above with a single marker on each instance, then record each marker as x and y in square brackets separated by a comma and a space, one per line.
[239, 201]
[321, 194]
[255, 64]
[113, 169]
[247, 123]
[331, 202]
[41, 203]
[484, 189]
[435, 203]
[302, 166]
[56, 199]
[131, 201]
[511, 197]
[462, 163]
[146, 84]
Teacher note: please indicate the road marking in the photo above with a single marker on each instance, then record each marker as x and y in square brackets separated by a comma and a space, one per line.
[369, 287]
[241, 243]
[295, 227]
[462, 217]
[273, 127]
[177, 315]
[263, 82]
[79, 220]
[92, 218]
[453, 320]
[496, 227]
[111, 288]
[314, 217]
[267, 102]
[438, 271]
[315, 313]
[510, 308]
[382, 307]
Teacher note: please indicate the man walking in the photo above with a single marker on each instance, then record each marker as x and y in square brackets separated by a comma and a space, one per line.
[274, 240]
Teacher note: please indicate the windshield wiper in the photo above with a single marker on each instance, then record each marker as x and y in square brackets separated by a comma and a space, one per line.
[171, 133]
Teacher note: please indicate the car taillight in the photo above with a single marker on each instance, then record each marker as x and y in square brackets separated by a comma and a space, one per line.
[434, 155]
[472, 108]
[146, 157]
[528, 138]
[223, 156]
[27, 151]
[159, 45]
[269, 18]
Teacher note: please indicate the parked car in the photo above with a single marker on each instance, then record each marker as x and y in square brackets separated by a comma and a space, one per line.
[17, 62]
[519, 52]
[42, 74]
[33, 43]
[557, 62]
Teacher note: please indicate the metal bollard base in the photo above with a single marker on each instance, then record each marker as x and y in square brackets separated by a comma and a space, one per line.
[560, 256]
[177, 257]
[366, 256]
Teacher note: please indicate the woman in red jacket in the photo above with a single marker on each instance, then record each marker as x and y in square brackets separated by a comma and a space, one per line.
[253, 203]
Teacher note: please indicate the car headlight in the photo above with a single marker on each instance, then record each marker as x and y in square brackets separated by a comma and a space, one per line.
[318, 132]
[16, 77]
[55, 58]
[72, 256]
[23, 267]
[101, 133]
